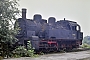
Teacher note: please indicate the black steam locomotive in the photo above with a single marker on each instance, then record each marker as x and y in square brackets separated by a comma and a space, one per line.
[51, 35]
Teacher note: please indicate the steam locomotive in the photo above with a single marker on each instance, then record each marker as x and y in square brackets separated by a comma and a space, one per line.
[49, 36]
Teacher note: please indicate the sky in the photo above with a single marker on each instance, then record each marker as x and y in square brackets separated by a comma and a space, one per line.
[74, 10]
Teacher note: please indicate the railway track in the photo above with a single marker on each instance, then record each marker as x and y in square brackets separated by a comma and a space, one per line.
[78, 49]
[73, 50]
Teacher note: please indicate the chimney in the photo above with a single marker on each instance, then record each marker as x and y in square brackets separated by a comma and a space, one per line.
[24, 13]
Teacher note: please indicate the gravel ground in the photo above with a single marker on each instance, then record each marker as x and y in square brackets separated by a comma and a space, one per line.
[59, 56]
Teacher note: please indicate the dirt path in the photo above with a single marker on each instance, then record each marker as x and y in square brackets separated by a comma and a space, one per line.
[58, 56]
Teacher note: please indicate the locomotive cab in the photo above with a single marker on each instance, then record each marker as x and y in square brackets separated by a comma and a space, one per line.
[76, 27]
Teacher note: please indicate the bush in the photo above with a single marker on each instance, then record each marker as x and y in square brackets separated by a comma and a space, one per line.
[85, 45]
[21, 51]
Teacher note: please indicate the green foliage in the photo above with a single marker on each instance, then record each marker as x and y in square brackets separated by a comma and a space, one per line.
[8, 12]
[21, 51]
[1, 58]
[30, 50]
[85, 45]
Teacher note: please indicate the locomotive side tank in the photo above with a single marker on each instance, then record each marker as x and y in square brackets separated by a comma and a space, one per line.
[51, 36]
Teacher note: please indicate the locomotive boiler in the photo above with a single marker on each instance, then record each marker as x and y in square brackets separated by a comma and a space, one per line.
[49, 35]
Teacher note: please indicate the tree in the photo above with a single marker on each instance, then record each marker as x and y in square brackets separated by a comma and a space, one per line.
[86, 40]
[8, 12]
